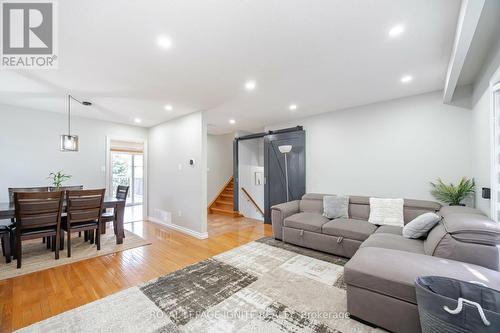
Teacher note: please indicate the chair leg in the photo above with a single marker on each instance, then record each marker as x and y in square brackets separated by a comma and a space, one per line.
[13, 245]
[48, 242]
[91, 236]
[79, 234]
[114, 226]
[19, 251]
[57, 245]
[61, 240]
[85, 235]
[43, 240]
[69, 242]
[98, 237]
[103, 228]
[6, 247]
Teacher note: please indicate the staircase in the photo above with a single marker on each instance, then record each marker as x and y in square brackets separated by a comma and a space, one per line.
[223, 203]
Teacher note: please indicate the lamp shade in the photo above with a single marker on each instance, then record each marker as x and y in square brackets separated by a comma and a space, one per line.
[285, 149]
[69, 142]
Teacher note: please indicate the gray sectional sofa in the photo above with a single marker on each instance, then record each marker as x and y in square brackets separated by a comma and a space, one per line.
[381, 273]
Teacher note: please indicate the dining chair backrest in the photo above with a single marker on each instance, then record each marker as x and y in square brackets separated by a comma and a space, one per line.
[12, 190]
[122, 192]
[84, 205]
[38, 209]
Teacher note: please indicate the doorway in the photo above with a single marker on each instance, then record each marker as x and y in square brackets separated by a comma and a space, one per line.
[127, 168]
[284, 167]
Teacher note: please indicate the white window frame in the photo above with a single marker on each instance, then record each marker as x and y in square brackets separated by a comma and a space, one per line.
[494, 88]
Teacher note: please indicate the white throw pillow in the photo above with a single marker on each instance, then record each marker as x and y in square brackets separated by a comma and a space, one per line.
[386, 212]
[420, 225]
[336, 206]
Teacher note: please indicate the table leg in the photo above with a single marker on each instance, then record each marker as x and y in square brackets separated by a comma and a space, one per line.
[120, 212]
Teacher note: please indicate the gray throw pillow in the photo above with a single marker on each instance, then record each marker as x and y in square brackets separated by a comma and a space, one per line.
[335, 206]
[420, 225]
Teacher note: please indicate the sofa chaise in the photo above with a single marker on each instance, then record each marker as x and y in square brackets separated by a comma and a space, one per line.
[381, 273]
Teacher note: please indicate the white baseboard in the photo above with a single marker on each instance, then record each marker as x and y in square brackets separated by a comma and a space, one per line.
[199, 235]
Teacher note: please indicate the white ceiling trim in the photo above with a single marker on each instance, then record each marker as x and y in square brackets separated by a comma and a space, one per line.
[470, 13]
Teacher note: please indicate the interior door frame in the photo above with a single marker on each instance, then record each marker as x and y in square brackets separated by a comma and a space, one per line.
[108, 168]
[236, 161]
[494, 88]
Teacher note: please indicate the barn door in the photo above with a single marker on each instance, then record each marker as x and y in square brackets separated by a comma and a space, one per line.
[274, 169]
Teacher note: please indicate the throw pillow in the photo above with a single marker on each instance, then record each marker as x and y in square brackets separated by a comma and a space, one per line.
[335, 206]
[386, 211]
[420, 225]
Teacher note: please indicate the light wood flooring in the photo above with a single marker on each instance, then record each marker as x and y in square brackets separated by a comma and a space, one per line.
[30, 298]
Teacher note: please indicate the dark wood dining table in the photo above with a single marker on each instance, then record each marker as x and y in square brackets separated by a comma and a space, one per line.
[8, 211]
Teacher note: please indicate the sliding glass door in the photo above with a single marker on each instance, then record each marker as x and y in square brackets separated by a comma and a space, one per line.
[128, 170]
[495, 186]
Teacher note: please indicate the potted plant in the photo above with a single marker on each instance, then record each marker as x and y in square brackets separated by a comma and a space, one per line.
[453, 194]
[58, 178]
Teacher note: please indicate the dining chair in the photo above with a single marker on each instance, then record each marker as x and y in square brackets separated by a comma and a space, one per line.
[38, 215]
[110, 216]
[13, 190]
[83, 208]
[5, 241]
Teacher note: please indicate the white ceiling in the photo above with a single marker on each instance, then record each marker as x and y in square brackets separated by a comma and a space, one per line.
[322, 55]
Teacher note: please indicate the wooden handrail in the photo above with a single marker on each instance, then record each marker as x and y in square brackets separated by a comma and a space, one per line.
[252, 200]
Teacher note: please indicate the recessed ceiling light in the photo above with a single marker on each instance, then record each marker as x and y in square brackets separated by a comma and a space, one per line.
[164, 42]
[168, 107]
[250, 85]
[232, 121]
[293, 107]
[406, 79]
[138, 120]
[396, 31]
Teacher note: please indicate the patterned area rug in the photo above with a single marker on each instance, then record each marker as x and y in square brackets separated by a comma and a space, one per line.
[37, 257]
[263, 286]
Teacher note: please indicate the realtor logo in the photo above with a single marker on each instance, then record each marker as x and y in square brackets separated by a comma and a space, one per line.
[28, 34]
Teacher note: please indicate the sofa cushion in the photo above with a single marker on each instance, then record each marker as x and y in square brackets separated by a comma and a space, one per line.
[392, 273]
[420, 226]
[448, 210]
[336, 206]
[349, 228]
[312, 203]
[472, 228]
[306, 221]
[386, 211]
[389, 229]
[394, 242]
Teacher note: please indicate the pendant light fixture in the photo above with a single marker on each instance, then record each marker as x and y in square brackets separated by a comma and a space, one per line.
[70, 142]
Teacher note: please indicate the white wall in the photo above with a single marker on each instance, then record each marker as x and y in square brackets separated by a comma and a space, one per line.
[29, 146]
[250, 161]
[177, 191]
[219, 162]
[388, 149]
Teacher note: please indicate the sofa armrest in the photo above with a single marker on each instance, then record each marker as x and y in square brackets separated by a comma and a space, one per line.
[281, 212]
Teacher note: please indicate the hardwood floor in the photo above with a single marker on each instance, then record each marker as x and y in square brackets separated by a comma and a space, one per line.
[37, 296]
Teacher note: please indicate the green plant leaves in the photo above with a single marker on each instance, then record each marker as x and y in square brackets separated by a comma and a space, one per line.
[453, 194]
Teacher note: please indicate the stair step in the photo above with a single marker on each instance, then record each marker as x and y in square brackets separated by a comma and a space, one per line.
[225, 195]
[224, 202]
[224, 205]
[224, 211]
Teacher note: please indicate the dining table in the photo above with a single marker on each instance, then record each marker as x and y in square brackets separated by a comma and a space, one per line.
[8, 211]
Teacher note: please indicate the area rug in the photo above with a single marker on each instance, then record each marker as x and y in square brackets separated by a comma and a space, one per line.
[263, 286]
[37, 257]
